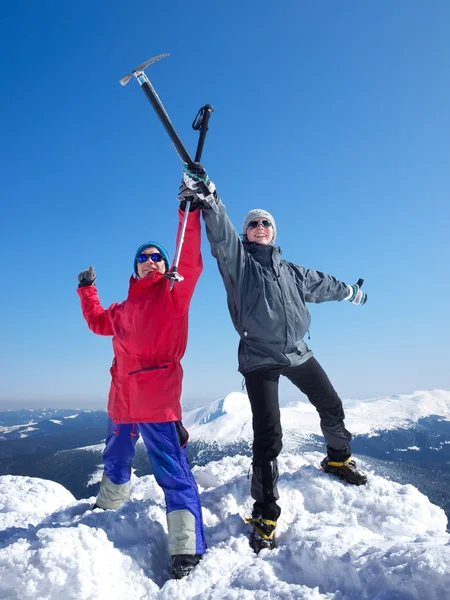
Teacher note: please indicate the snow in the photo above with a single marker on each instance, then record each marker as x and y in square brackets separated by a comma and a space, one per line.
[229, 419]
[94, 447]
[55, 421]
[366, 416]
[96, 476]
[72, 416]
[26, 501]
[335, 541]
[382, 541]
[16, 427]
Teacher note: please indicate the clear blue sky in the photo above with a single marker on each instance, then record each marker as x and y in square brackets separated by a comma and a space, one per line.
[334, 116]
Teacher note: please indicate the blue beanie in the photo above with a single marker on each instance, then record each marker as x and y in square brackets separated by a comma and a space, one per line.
[149, 245]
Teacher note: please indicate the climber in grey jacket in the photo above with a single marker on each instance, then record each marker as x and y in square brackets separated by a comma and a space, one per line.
[267, 302]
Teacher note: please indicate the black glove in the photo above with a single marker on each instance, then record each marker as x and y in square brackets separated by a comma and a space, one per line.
[86, 278]
[197, 181]
[186, 194]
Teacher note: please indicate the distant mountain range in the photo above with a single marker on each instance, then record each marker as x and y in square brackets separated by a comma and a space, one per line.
[405, 438]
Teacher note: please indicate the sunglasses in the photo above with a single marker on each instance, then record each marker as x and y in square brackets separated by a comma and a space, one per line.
[154, 257]
[264, 222]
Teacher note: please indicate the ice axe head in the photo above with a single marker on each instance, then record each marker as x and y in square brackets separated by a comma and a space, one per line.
[140, 68]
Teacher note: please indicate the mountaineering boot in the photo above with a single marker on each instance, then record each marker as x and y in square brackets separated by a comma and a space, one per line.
[183, 564]
[265, 509]
[346, 470]
[262, 536]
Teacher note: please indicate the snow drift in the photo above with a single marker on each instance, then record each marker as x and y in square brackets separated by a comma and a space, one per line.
[335, 541]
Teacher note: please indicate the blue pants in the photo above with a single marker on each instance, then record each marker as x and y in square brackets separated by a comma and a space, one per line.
[166, 448]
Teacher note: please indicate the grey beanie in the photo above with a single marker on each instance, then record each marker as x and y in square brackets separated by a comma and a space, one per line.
[258, 214]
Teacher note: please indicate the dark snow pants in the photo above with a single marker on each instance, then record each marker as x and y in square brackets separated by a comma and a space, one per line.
[166, 449]
[262, 389]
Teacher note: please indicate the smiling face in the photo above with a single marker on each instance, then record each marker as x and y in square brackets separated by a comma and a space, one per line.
[147, 267]
[260, 234]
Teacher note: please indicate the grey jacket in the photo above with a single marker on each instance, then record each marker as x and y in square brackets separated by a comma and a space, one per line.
[266, 295]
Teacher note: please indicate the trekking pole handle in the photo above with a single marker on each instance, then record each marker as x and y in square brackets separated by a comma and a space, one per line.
[201, 123]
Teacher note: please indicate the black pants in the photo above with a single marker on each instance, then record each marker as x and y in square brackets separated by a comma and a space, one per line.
[262, 389]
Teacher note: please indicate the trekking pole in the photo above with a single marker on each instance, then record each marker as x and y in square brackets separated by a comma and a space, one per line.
[200, 124]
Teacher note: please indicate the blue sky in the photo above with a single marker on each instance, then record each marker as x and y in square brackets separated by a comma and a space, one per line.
[332, 116]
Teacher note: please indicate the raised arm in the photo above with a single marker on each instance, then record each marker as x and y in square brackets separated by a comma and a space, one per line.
[225, 242]
[226, 245]
[190, 265]
[97, 318]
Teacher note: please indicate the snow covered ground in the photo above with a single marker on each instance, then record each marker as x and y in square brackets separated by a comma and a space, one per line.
[383, 541]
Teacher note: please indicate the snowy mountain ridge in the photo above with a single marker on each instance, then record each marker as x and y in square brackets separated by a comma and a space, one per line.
[228, 420]
[46, 422]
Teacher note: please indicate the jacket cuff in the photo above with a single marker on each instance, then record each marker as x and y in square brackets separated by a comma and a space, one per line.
[86, 291]
[349, 292]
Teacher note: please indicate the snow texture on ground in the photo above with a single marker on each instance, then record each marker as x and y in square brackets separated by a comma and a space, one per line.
[383, 541]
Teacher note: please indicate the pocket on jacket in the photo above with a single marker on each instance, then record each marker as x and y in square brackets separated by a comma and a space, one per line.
[147, 369]
[154, 391]
[147, 384]
[301, 348]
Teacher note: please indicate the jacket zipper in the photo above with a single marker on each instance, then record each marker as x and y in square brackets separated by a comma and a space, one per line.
[284, 308]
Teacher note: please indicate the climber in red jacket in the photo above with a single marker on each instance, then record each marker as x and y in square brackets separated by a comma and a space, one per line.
[149, 335]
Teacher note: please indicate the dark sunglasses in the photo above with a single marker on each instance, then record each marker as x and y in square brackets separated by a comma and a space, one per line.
[154, 257]
[254, 224]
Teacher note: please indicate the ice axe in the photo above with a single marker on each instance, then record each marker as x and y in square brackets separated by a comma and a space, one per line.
[200, 122]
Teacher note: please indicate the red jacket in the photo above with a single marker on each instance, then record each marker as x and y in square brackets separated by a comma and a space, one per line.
[149, 332]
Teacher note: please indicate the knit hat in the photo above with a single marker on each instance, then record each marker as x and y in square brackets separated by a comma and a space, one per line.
[151, 244]
[256, 215]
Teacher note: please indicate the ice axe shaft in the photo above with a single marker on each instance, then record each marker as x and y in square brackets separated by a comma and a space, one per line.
[158, 107]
